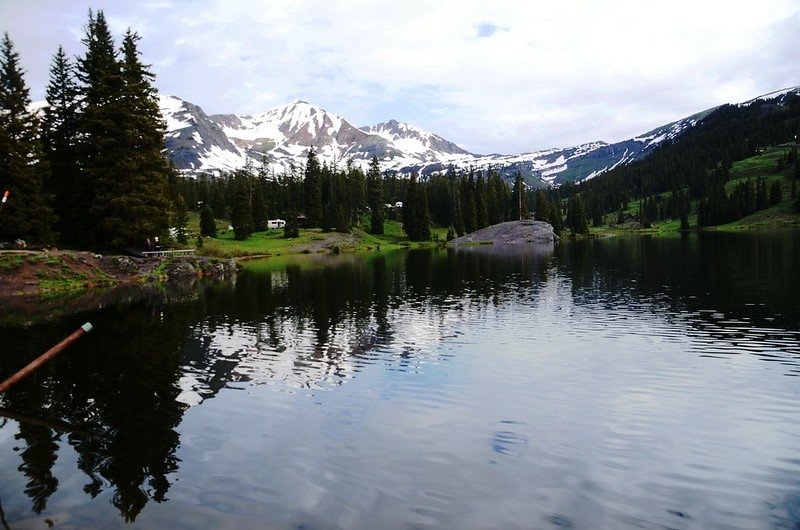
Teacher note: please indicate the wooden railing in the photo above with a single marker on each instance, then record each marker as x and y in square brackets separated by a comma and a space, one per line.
[162, 253]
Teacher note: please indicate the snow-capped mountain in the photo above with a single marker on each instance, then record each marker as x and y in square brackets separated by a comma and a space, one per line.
[416, 143]
[288, 132]
[282, 136]
[195, 142]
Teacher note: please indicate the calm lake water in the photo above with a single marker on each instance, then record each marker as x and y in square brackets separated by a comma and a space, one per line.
[618, 383]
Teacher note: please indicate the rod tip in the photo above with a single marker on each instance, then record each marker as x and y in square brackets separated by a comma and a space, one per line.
[87, 327]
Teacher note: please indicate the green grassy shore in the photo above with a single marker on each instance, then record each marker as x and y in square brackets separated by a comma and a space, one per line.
[272, 243]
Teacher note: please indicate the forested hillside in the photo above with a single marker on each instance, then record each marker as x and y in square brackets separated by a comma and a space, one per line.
[696, 167]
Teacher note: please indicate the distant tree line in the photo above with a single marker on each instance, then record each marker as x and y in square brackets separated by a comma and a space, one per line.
[338, 199]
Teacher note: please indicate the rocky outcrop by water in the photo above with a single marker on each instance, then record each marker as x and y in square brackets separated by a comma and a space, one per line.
[511, 233]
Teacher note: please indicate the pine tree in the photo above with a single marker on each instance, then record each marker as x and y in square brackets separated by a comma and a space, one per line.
[570, 220]
[28, 214]
[416, 219]
[577, 221]
[375, 196]
[775, 193]
[123, 139]
[494, 206]
[458, 215]
[469, 208]
[761, 194]
[208, 226]
[542, 207]
[60, 138]
[557, 217]
[796, 173]
[520, 198]
[312, 188]
[242, 209]
[683, 210]
[356, 191]
[100, 90]
[260, 210]
[181, 220]
[481, 203]
[292, 228]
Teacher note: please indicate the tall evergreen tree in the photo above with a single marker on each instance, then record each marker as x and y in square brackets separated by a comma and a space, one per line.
[775, 193]
[23, 170]
[520, 198]
[181, 220]
[542, 207]
[495, 187]
[577, 220]
[416, 219]
[481, 203]
[357, 191]
[60, 138]
[375, 196]
[469, 208]
[100, 121]
[131, 200]
[208, 226]
[260, 210]
[761, 194]
[557, 217]
[458, 216]
[292, 227]
[683, 210]
[242, 209]
[312, 188]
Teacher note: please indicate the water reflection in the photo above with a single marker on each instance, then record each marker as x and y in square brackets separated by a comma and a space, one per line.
[119, 399]
[310, 327]
[117, 387]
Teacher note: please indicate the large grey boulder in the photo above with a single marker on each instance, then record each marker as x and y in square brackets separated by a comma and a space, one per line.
[511, 233]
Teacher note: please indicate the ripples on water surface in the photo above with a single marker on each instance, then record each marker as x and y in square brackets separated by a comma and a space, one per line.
[607, 384]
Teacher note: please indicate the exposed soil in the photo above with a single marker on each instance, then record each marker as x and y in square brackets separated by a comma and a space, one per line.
[39, 272]
[41, 285]
[23, 272]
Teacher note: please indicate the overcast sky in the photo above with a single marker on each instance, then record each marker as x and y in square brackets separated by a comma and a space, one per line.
[492, 76]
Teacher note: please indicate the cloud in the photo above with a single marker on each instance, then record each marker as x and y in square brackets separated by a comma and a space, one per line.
[504, 76]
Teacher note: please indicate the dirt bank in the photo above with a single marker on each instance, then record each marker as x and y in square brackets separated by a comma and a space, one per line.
[27, 273]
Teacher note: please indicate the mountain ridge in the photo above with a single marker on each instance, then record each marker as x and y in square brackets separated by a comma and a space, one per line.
[280, 137]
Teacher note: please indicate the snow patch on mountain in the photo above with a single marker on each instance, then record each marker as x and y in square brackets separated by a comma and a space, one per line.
[281, 137]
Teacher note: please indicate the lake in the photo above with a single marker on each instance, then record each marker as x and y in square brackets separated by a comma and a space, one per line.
[617, 383]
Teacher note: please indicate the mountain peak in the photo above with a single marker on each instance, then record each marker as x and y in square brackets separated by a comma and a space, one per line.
[412, 139]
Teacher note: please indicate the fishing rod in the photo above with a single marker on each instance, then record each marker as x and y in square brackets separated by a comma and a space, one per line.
[43, 358]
